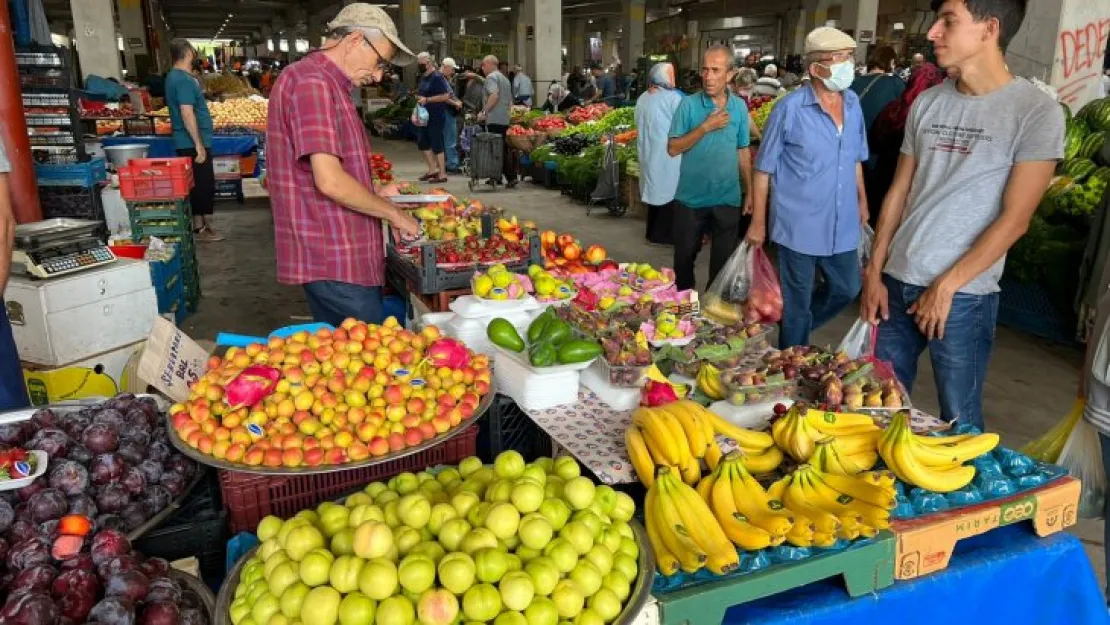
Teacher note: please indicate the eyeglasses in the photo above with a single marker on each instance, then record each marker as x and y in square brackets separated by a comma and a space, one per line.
[382, 63]
[838, 57]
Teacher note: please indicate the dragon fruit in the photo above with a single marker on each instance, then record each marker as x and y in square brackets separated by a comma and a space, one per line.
[657, 393]
[251, 386]
[448, 353]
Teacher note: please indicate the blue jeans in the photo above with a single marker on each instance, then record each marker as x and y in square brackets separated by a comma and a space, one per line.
[451, 142]
[332, 302]
[13, 391]
[805, 306]
[959, 359]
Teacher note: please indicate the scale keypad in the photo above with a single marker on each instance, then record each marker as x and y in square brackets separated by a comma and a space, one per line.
[71, 262]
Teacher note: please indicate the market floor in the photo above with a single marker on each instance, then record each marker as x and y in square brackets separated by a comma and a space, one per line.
[1030, 385]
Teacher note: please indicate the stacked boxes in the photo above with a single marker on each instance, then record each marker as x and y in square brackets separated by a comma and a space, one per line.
[171, 221]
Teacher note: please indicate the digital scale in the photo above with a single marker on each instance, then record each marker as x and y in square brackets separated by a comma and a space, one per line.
[57, 247]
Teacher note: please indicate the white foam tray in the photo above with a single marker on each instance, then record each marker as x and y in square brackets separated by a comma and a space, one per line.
[531, 391]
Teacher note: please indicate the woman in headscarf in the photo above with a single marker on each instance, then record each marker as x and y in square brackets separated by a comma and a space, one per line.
[658, 171]
[560, 99]
[885, 137]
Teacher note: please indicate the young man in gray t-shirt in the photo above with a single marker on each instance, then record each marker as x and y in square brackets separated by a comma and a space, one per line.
[978, 154]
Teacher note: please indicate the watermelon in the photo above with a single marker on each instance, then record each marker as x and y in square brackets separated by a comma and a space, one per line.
[1088, 109]
[1100, 116]
[1073, 137]
[1067, 111]
[1077, 168]
[1091, 145]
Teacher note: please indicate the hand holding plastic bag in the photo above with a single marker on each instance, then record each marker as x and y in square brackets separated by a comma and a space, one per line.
[746, 290]
[859, 342]
[419, 116]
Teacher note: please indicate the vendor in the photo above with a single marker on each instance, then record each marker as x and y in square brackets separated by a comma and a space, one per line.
[327, 218]
[560, 99]
[13, 392]
[192, 135]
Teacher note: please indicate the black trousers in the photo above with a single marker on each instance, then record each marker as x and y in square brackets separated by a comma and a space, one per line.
[660, 223]
[508, 165]
[202, 198]
[724, 225]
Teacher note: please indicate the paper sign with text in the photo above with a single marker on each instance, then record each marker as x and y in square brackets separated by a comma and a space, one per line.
[171, 361]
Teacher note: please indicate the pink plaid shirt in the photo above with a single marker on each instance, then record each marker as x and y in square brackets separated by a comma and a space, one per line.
[311, 112]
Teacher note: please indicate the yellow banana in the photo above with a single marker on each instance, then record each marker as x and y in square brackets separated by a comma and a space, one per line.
[867, 531]
[762, 463]
[862, 461]
[908, 469]
[823, 522]
[705, 486]
[779, 428]
[713, 455]
[695, 436]
[705, 425]
[801, 533]
[742, 436]
[675, 535]
[935, 441]
[883, 479]
[690, 470]
[822, 539]
[703, 527]
[825, 459]
[663, 447]
[856, 443]
[752, 501]
[665, 561]
[777, 491]
[638, 453]
[839, 423]
[860, 489]
[709, 382]
[952, 455]
[679, 436]
[738, 528]
[827, 499]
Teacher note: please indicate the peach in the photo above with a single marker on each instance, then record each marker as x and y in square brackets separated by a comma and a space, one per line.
[358, 451]
[214, 362]
[272, 458]
[365, 432]
[427, 430]
[204, 444]
[180, 419]
[337, 385]
[395, 413]
[446, 399]
[253, 456]
[339, 420]
[378, 446]
[234, 452]
[275, 343]
[396, 442]
[340, 333]
[430, 333]
[240, 435]
[413, 436]
[481, 386]
[457, 390]
[441, 424]
[287, 427]
[292, 457]
[410, 420]
[177, 409]
[466, 409]
[381, 361]
[356, 415]
[329, 400]
[415, 405]
[343, 439]
[371, 344]
[455, 416]
[209, 426]
[186, 429]
[219, 448]
[221, 433]
[396, 428]
[286, 408]
[314, 457]
[293, 441]
[334, 455]
[358, 332]
[233, 420]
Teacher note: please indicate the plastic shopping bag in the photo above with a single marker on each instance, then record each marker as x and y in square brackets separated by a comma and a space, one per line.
[419, 116]
[866, 238]
[765, 296]
[1082, 457]
[1047, 448]
[859, 342]
[746, 290]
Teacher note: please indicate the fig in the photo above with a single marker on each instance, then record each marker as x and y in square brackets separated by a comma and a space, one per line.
[44, 418]
[131, 585]
[113, 611]
[101, 438]
[69, 477]
[36, 578]
[106, 468]
[84, 505]
[47, 505]
[108, 544]
[160, 613]
[112, 498]
[80, 453]
[29, 609]
[133, 480]
[54, 442]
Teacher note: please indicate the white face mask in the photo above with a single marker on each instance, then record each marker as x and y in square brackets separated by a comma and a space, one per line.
[842, 75]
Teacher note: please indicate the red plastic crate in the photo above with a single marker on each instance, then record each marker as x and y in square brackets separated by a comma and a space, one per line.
[156, 178]
[249, 497]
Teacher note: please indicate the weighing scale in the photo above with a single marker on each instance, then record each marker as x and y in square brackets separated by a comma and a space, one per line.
[57, 247]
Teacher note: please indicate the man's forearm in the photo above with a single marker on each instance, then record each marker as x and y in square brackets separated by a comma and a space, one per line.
[491, 101]
[190, 120]
[992, 245]
[761, 187]
[342, 188]
[746, 168]
[680, 145]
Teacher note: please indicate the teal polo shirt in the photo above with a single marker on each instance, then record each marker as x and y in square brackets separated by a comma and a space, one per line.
[183, 88]
[710, 171]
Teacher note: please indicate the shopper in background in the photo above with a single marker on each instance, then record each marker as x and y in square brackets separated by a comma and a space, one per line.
[433, 94]
[560, 99]
[450, 122]
[978, 154]
[768, 84]
[13, 391]
[744, 82]
[879, 86]
[710, 131]
[809, 188]
[655, 110]
[606, 87]
[522, 88]
[496, 111]
[192, 135]
[327, 219]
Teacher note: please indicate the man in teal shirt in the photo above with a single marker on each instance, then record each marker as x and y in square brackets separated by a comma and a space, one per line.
[192, 134]
[710, 131]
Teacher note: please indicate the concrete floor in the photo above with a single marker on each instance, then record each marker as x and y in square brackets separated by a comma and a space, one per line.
[1031, 382]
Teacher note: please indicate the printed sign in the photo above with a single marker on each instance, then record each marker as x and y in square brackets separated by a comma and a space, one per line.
[171, 361]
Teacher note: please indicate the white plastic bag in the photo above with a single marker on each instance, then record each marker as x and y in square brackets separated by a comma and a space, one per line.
[1082, 457]
[419, 116]
[866, 238]
[859, 342]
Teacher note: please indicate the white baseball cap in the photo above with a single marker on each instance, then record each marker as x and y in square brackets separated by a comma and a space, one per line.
[450, 62]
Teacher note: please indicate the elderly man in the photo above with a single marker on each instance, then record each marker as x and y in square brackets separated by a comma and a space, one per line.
[327, 218]
[433, 93]
[810, 168]
[710, 131]
[496, 109]
[978, 154]
[522, 87]
[768, 84]
[450, 127]
[655, 110]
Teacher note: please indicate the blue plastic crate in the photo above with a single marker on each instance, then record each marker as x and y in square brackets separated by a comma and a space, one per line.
[71, 174]
[165, 273]
[1030, 308]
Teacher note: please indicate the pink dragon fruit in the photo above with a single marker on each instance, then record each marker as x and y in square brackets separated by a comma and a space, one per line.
[251, 386]
[657, 394]
[448, 353]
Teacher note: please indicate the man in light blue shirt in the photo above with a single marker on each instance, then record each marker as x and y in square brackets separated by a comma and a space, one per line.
[710, 131]
[810, 166]
[655, 110]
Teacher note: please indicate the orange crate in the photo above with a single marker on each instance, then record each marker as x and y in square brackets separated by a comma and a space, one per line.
[249, 497]
[247, 165]
[156, 178]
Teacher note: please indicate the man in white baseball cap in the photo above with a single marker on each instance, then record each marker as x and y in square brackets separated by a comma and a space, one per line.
[808, 186]
[450, 127]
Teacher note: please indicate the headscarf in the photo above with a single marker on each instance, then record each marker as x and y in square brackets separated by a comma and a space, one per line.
[557, 93]
[893, 117]
[661, 75]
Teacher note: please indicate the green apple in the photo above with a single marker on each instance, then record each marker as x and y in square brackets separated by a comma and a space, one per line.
[302, 540]
[566, 467]
[372, 539]
[629, 548]
[375, 488]
[556, 511]
[562, 553]
[275, 560]
[544, 574]
[385, 497]
[277, 618]
[477, 514]
[618, 583]
[508, 464]
[315, 567]
[517, 590]
[430, 549]
[378, 579]
[343, 543]
[606, 497]
[481, 602]
[606, 603]
[308, 515]
[344, 573]
[269, 548]
[389, 510]
[440, 514]
[282, 577]
[527, 554]
[287, 527]
[416, 573]
[363, 513]
[293, 598]
[624, 507]
[238, 610]
[333, 517]
[509, 544]
[568, 598]
[414, 510]
[579, 535]
[484, 475]
[588, 617]
[425, 476]
[469, 465]
[452, 533]
[625, 564]
[542, 611]
[404, 483]
[592, 521]
[264, 607]
[526, 495]
[395, 610]
[587, 576]
[448, 475]
[358, 499]
[545, 463]
[476, 539]
[463, 501]
[457, 572]
[611, 538]
[437, 607]
[268, 528]
[553, 489]
[491, 564]
[510, 617]
[405, 538]
[625, 529]
[601, 558]
[357, 609]
[503, 519]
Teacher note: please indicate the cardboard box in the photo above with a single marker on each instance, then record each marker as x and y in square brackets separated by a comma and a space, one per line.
[226, 166]
[103, 375]
[925, 545]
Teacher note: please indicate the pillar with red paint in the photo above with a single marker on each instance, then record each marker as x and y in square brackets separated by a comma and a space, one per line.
[13, 129]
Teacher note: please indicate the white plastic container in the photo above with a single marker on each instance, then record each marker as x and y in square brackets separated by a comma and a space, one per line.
[531, 391]
[614, 397]
[41, 461]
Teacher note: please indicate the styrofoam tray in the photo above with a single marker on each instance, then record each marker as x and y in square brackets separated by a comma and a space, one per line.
[535, 392]
[522, 360]
[41, 460]
[475, 307]
[614, 397]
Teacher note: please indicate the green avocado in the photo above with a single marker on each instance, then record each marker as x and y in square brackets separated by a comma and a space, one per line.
[502, 334]
[542, 354]
[538, 325]
[578, 351]
[556, 332]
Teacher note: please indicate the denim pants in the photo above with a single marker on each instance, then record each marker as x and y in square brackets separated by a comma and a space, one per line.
[13, 391]
[807, 306]
[959, 359]
[332, 302]
[450, 142]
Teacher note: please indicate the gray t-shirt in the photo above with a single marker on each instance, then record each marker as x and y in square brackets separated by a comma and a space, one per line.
[964, 148]
[497, 83]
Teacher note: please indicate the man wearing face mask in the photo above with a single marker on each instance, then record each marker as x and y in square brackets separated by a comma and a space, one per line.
[327, 218]
[810, 170]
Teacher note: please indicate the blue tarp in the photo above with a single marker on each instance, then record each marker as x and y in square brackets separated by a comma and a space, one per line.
[1008, 575]
[162, 147]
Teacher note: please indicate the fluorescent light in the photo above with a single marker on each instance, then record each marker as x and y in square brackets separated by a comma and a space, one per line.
[483, 19]
[589, 21]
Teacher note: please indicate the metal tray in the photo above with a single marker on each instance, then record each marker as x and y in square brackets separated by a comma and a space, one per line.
[637, 599]
[199, 587]
[184, 448]
[418, 199]
[34, 234]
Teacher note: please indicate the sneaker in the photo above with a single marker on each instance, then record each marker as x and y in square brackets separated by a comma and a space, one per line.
[207, 235]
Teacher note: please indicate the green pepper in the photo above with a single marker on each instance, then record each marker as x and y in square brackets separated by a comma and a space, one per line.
[538, 325]
[578, 351]
[502, 334]
[556, 332]
[542, 354]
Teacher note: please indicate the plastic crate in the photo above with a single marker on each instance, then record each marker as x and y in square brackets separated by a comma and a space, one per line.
[506, 426]
[166, 273]
[229, 189]
[427, 278]
[156, 178]
[1031, 308]
[202, 535]
[160, 209]
[71, 202]
[249, 497]
[71, 174]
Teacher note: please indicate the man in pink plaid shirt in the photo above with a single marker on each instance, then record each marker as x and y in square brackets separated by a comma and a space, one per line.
[327, 218]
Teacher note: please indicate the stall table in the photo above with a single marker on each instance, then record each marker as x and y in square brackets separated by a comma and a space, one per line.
[162, 147]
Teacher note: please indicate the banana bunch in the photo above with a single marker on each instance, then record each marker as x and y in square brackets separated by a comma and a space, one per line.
[709, 382]
[682, 529]
[830, 457]
[749, 518]
[828, 506]
[935, 463]
[799, 430]
[680, 434]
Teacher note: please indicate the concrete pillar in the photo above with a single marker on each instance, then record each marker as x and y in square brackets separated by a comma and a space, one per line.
[518, 29]
[132, 27]
[315, 25]
[95, 28]
[545, 48]
[1062, 42]
[691, 57]
[633, 20]
[410, 34]
[795, 34]
[610, 42]
[576, 51]
[451, 34]
[13, 131]
[817, 13]
[858, 18]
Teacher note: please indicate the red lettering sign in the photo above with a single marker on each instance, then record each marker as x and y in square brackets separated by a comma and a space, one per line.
[1083, 48]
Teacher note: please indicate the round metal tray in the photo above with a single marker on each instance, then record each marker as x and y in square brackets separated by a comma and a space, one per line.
[199, 587]
[184, 448]
[641, 588]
